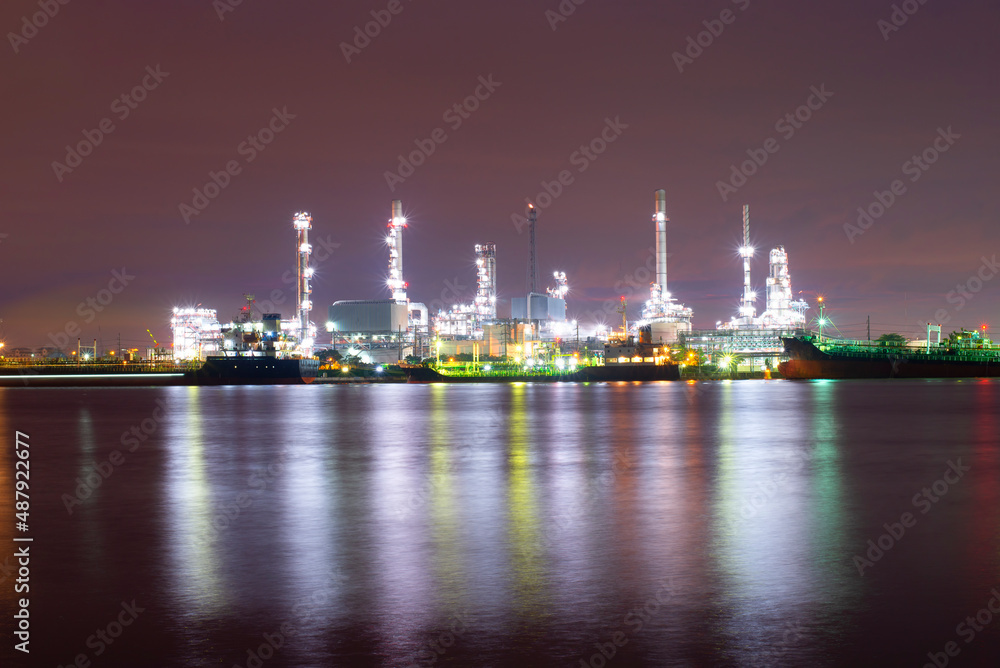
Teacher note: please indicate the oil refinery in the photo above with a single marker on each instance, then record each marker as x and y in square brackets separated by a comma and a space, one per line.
[390, 328]
[536, 335]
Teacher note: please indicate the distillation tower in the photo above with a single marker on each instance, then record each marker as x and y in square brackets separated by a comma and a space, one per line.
[303, 302]
[395, 242]
[667, 318]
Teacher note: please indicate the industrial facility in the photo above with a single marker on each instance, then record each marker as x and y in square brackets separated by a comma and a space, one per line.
[197, 332]
[748, 338]
[667, 320]
[388, 329]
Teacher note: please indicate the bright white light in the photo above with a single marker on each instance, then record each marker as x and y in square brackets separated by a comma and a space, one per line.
[487, 367]
[660, 217]
[379, 369]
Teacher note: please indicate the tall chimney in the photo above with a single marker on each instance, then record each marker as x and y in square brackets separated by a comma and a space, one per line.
[661, 241]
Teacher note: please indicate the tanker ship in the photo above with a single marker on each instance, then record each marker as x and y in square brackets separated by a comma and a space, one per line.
[968, 357]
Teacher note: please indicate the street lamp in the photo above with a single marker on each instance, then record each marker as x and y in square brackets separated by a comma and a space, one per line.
[822, 320]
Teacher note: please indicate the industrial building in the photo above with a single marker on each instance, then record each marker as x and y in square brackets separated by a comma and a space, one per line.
[370, 317]
[468, 320]
[197, 332]
[667, 319]
[755, 341]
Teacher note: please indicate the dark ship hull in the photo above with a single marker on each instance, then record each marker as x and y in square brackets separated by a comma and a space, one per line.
[588, 374]
[215, 371]
[630, 372]
[807, 362]
[255, 371]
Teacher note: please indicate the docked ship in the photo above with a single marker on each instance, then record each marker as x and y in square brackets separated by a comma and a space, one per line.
[810, 358]
[625, 359]
[242, 370]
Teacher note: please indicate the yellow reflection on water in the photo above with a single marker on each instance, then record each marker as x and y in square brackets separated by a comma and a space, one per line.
[524, 536]
[444, 517]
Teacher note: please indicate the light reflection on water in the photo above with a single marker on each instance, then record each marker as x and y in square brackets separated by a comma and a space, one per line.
[708, 525]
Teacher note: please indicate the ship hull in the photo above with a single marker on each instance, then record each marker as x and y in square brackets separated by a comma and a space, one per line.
[255, 371]
[589, 374]
[808, 363]
[215, 371]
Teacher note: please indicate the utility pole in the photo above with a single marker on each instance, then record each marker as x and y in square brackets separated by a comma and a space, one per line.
[869, 328]
[821, 306]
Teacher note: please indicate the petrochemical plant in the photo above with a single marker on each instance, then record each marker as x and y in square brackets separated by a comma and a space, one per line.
[390, 329]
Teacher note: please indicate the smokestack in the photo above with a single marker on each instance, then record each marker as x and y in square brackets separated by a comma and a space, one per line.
[303, 223]
[661, 240]
[747, 310]
[395, 243]
[532, 257]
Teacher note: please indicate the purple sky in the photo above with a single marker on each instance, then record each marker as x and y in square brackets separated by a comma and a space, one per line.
[60, 240]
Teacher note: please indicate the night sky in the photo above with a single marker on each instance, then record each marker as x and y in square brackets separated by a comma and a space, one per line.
[894, 91]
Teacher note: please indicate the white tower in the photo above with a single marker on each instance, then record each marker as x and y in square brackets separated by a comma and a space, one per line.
[486, 282]
[747, 308]
[782, 310]
[303, 223]
[668, 317]
[660, 218]
[395, 242]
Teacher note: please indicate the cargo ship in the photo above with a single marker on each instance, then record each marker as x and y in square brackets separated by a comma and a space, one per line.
[810, 358]
[624, 360]
[242, 370]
